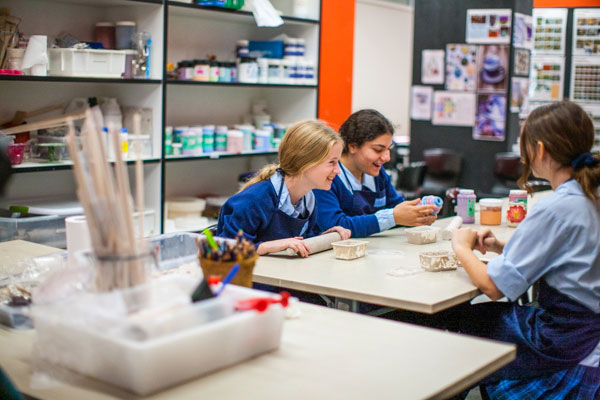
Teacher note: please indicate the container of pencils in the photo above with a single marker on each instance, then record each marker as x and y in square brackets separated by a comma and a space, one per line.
[217, 256]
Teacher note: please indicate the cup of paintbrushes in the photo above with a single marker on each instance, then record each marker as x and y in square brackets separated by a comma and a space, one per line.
[220, 268]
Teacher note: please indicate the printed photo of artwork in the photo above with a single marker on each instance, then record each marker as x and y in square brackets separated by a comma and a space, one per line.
[420, 105]
[586, 31]
[489, 26]
[461, 67]
[521, 66]
[493, 68]
[523, 31]
[490, 118]
[546, 78]
[432, 66]
[453, 108]
[549, 30]
[518, 94]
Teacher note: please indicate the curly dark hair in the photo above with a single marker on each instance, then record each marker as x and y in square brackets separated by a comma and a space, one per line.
[363, 126]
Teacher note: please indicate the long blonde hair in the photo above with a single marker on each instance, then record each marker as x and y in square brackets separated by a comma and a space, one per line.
[305, 144]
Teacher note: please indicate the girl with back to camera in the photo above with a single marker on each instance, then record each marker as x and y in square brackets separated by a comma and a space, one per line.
[362, 197]
[558, 245]
[276, 208]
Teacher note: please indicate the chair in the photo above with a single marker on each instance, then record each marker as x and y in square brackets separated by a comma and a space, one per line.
[443, 171]
[410, 179]
[507, 170]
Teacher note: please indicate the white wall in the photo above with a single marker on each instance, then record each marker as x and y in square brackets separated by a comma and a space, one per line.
[383, 43]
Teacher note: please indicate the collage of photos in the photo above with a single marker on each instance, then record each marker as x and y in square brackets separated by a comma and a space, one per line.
[489, 26]
[585, 79]
[546, 78]
[586, 32]
[550, 29]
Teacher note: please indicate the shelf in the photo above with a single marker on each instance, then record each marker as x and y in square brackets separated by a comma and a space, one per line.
[277, 85]
[182, 10]
[62, 165]
[217, 155]
[29, 78]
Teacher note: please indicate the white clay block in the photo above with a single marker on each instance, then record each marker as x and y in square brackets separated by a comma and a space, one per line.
[455, 223]
[349, 249]
[422, 234]
[439, 260]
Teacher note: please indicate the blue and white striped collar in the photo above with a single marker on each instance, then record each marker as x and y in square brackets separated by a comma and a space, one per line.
[353, 184]
[285, 204]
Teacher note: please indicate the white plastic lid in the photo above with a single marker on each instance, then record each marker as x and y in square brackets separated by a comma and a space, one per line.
[54, 207]
[490, 203]
[234, 133]
[109, 24]
[519, 192]
[466, 191]
[126, 23]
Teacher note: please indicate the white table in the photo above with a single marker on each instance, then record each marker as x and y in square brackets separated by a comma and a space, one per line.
[324, 353]
[367, 279]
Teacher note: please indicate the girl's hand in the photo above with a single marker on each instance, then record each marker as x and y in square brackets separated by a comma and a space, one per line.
[487, 241]
[409, 213]
[344, 233]
[294, 243]
[464, 238]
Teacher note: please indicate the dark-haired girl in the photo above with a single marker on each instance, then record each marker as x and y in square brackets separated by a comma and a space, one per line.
[558, 245]
[362, 198]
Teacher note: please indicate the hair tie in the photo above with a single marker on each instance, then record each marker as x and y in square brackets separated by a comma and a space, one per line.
[280, 170]
[584, 160]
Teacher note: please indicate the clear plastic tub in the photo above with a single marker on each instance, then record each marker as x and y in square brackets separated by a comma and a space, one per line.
[422, 234]
[349, 249]
[439, 260]
[146, 357]
[42, 229]
[87, 62]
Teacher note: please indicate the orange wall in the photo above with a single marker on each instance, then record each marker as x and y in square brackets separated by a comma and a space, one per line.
[335, 69]
[565, 3]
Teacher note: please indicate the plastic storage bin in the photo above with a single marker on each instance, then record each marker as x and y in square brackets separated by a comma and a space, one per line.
[42, 229]
[87, 62]
[439, 260]
[422, 234]
[146, 365]
[349, 249]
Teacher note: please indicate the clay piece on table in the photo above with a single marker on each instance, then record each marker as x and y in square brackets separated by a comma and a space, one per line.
[422, 234]
[438, 260]
[349, 249]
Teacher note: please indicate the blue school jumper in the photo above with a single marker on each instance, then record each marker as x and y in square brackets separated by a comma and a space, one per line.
[364, 209]
[257, 211]
[558, 342]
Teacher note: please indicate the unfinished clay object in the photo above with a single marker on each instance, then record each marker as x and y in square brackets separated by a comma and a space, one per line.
[422, 234]
[349, 249]
[439, 260]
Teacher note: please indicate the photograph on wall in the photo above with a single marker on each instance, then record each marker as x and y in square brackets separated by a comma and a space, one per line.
[586, 31]
[421, 101]
[547, 75]
[523, 31]
[492, 72]
[491, 117]
[461, 67]
[585, 79]
[432, 66]
[453, 108]
[489, 25]
[594, 111]
[549, 30]
[518, 94]
[521, 66]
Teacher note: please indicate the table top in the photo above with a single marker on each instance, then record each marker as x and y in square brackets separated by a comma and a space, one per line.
[368, 279]
[323, 353]
[13, 251]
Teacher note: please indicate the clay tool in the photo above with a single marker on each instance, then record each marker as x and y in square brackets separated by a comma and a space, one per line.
[261, 304]
[318, 243]
[230, 275]
[455, 223]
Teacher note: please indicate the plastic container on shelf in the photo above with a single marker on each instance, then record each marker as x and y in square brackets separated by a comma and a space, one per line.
[201, 70]
[16, 152]
[145, 146]
[86, 62]
[262, 140]
[180, 207]
[235, 141]
[213, 74]
[263, 70]
[241, 48]
[208, 139]
[105, 34]
[275, 71]
[124, 32]
[221, 138]
[248, 70]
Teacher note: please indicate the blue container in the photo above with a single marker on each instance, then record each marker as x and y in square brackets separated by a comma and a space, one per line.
[266, 49]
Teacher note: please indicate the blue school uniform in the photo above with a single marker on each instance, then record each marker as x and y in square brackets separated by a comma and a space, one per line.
[364, 209]
[558, 343]
[264, 212]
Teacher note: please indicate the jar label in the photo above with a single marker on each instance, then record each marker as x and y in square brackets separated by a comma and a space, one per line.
[470, 208]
